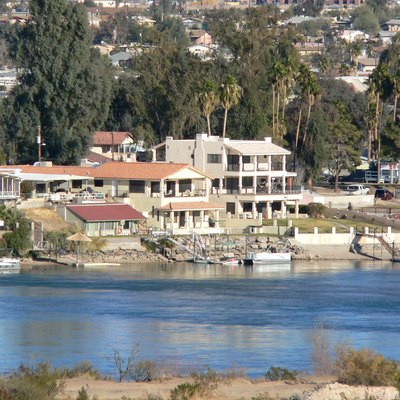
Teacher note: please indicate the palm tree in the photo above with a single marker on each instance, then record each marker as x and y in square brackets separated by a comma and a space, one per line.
[230, 95]
[208, 100]
[395, 80]
[310, 89]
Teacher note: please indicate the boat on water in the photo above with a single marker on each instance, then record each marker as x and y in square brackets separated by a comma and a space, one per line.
[9, 265]
[229, 260]
[266, 257]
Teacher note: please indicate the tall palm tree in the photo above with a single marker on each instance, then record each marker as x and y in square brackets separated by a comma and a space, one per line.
[208, 100]
[395, 80]
[230, 95]
[310, 89]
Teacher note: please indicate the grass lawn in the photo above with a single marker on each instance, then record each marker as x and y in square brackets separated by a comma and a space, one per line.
[306, 225]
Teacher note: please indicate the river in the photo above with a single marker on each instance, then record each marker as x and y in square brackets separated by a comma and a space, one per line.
[185, 316]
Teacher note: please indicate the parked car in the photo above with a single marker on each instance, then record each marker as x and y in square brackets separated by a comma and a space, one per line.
[383, 193]
[357, 189]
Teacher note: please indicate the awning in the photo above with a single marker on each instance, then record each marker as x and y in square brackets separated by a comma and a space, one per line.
[25, 176]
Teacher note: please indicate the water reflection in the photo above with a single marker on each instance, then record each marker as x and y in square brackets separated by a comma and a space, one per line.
[188, 314]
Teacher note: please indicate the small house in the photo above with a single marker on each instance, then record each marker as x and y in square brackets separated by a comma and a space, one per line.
[105, 219]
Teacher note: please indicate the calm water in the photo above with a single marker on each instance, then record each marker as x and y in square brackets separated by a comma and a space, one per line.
[188, 316]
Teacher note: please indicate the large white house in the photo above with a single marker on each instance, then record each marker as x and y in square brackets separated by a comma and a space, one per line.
[250, 176]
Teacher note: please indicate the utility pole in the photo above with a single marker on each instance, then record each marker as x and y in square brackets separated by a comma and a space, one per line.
[39, 142]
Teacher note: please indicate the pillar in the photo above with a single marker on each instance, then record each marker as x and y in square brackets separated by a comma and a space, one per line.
[283, 209]
[296, 209]
[221, 185]
[162, 188]
[162, 221]
[217, 218]
[254, 209]
[202, 217]
[269, 210]
[187, 219]
[172, 217]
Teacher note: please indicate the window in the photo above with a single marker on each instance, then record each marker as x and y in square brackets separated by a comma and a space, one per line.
[214, 158]
[215, 183]
[247, 181]
[136, 186]
[233, 162]
[230, 207]
[246, 159]
[155, 187]
[184, 185]
[77, 184]
[98, 183]
[247, 207]
[232, 185]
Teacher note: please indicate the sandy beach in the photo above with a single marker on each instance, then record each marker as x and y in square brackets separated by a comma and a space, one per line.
[315, 388]
[234, 389]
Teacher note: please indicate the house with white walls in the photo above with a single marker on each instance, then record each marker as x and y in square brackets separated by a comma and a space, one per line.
[250, 176]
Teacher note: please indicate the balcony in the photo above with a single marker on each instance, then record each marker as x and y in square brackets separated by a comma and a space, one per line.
[186, 193]
[260, 190]
[250, 167]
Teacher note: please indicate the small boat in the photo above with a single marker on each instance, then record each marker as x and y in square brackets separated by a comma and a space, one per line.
[9, 265]
[229, 260]
[253, 258]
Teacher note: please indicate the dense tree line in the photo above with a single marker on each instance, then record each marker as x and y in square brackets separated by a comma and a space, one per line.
[253, 84]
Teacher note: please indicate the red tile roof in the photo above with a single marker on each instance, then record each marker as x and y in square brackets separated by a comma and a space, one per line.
[111, 170]
[105, 212]
[195, 205]
[109, 138]
[138, 170]
[96, 157]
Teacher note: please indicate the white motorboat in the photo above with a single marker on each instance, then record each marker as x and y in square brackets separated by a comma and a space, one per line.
[253, 258]
[9, 264]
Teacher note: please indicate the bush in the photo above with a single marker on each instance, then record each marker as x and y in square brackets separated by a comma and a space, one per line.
[365, 367]
[83, 395]
[144, 371]
[26, 188]
[315, 210]
[38, 383]
[281, 374]
[202, 387]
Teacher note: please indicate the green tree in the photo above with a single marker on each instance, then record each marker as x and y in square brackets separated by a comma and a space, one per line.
[208, 100]
[64, 86]
[365, 20]
[344, 141]
[230, 95]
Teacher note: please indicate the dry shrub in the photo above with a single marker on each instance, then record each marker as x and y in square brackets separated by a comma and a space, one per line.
[323, 360]
[366, 367]
[203, 387]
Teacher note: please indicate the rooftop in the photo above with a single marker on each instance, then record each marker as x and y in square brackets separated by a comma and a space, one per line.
[109, 138]
[105, 212]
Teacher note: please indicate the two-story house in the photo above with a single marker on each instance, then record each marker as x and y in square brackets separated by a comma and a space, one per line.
[171, 196]
[118, 146]
[250, 176]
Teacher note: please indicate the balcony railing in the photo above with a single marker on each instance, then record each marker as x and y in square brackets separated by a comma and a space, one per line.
[258, 191]
[186, 193]
[9, 195]
[248, 167]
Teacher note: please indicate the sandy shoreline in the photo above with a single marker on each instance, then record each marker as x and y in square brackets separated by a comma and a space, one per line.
[316, 388]
[234, 389]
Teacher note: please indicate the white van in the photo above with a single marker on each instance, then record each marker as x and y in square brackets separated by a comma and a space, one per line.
[357, 189]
